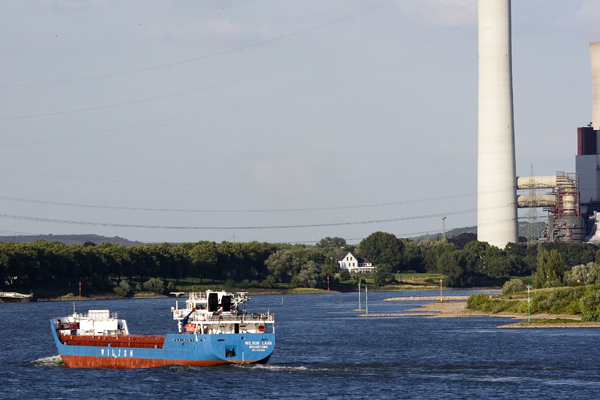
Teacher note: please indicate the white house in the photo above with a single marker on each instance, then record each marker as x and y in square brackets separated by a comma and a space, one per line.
[354, 265]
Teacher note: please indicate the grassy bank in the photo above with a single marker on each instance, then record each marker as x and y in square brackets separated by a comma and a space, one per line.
[70, 291]
[583, 301]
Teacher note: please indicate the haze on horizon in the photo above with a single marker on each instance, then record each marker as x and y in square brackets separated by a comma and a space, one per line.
[279, 121]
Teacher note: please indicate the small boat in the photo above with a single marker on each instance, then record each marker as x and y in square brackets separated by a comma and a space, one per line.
[14, 297]
[213, 329]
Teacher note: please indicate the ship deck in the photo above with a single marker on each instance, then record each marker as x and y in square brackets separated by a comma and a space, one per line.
[128, 341]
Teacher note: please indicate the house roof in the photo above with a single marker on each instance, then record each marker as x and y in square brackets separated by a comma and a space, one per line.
[359, 260]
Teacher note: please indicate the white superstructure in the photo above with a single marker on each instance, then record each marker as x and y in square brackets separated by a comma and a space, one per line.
[219, 313]
[496, 175]
[95, 322]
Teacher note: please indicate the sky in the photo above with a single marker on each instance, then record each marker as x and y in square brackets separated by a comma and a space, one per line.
[269, 120]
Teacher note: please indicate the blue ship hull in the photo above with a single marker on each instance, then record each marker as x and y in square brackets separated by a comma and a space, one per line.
[182, 349]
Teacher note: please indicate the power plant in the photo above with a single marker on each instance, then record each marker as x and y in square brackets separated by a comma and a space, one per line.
[572, 200]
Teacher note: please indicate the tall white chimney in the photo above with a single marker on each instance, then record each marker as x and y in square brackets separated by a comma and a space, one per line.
[496, 175]
[595, 54]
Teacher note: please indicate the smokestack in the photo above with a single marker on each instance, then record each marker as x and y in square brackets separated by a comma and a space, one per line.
[496, 175]
[595, 54]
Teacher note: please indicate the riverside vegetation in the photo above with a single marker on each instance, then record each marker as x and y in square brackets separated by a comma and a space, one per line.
[53, 269]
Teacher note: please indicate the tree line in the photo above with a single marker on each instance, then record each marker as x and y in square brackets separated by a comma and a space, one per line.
[42, 263]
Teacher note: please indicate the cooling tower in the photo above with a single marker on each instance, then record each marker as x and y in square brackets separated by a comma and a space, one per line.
[595, 54]
[496, 175]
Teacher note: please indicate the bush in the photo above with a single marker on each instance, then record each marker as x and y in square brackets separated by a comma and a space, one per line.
[244, 284]
[574, 307]
[229, 284]
[122, 289]
[475, 301]
[513, 286]
[590, 316]
[254, 283]
[344, 275]
[294, 283]
[383, 274]
[268, 283]
[590, 302]
[584, 274]
[171, 286]
[155, 285]
[483, 303]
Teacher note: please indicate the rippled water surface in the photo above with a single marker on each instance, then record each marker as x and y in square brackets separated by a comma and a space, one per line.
[322, 351]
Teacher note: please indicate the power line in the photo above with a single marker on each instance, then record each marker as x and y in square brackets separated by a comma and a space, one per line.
[124, 26]
[162, 124]
[56, 203]
[135, 71]
[295, 64]
[70, 222]
[333, 183]
[388, 204]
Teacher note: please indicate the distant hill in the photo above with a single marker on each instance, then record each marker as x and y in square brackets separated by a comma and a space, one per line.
[69, 239]
[449, 234]
[523, 229]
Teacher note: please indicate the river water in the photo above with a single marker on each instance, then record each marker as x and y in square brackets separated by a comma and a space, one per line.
[323, 350]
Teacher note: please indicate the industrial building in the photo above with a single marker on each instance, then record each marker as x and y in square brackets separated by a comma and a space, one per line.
[574, 198]
[571, 199]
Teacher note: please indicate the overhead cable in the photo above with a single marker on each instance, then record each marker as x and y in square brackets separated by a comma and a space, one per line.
[135, 71]
[168, 227]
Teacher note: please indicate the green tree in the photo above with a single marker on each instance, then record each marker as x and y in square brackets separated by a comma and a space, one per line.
[203, 257]
[283, 265]
[412, 256]
[382, 248]
[431, 251]
[481, 258]
[329, 269]
[122, 289]
[583, 274]
[452, 264]
[336, 242]
[155, 285]
[513, 286]
[308, 276]
[523, 257]
[575, 253]
[550, 269]
[383, 274]
[344, 275]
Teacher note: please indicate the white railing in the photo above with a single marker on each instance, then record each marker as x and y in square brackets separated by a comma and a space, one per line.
[233, 318]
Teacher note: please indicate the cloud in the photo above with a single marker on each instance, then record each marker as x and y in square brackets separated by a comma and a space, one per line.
[440, 12]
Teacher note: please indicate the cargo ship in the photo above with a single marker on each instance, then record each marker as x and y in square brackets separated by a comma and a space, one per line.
[214, 328]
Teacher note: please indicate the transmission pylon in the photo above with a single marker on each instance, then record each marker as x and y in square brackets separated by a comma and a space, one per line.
[533, 232]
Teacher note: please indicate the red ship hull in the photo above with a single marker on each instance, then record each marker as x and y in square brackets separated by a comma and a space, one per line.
[124, 363]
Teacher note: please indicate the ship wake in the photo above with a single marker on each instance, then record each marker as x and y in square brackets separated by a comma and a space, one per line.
[49, 362]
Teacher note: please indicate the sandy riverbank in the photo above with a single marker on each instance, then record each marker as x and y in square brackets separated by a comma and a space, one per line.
[458, 309]
[427, 298]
